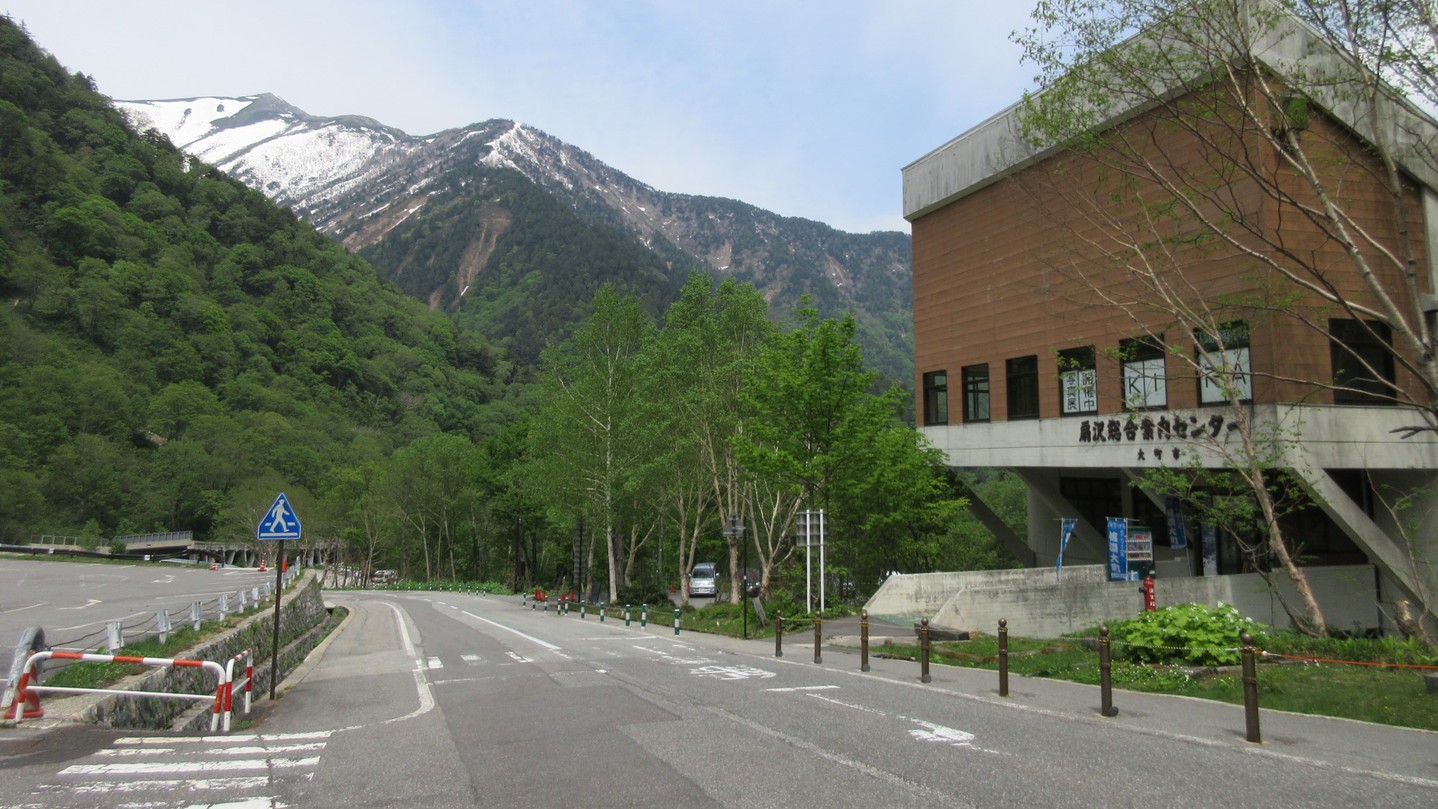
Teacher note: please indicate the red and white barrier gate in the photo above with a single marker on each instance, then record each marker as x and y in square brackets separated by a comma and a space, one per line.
[249, 684]
[27, 701]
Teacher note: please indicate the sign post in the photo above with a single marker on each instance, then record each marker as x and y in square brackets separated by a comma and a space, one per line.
[279, 524]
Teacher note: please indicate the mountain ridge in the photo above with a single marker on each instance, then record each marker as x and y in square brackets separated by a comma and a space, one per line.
[360, 181]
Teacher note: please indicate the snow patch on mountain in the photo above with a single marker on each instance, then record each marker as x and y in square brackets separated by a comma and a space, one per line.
[183, 120]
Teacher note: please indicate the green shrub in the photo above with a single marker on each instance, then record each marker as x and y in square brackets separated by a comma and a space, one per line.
[1405, 651]
[637, 594]
[1193, 634]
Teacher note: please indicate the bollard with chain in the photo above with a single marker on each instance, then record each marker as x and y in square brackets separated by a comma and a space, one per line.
[818, 639]
[1003, 657]
[778, 634]
[924, 652]
[1105, 674]
[1250, 689]
[864, 641]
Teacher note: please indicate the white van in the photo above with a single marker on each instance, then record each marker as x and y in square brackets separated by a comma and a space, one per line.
[704, 580]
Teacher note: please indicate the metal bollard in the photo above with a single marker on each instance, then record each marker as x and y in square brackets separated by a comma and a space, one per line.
[778, 634]
[626, 615]
[864, 641]
[818, 639]
[1003, 657]
[924, 652]
[676, 621]
[1105, 674]
[1250, 689]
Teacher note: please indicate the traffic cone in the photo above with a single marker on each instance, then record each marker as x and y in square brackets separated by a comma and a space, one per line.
[31, 700]
[212, 566]
[262, 566]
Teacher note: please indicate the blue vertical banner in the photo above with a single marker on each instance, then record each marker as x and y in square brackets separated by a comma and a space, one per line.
[1177, 537]
[1209, 536]
[1066, 532]
[1117, 549]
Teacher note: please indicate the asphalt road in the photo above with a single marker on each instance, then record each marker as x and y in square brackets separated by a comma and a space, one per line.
[449, 700]
[72, 601]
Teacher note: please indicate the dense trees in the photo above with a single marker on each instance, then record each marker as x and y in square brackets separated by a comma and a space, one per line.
[175, 350]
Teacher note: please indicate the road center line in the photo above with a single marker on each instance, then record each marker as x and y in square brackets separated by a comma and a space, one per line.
[551, 647]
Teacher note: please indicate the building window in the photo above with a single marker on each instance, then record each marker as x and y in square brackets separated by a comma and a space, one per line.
[1145, 385]
[1095, 499]
[1223, 364]
[976, 392]
[1023, 387]
[1078, 381]
[1362, 362]
[936, 397]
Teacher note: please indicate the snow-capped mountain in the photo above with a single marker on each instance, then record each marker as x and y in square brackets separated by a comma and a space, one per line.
[446, 194]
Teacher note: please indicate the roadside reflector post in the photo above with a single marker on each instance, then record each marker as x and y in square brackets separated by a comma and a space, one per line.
[1105, 674]
[1003, 657]
[778, 634]
[818, 639]
[601, 612]
[644, 616]
[924, 652]
[581, 610]
[1250, 689]
[864, 641]
[626, 615]
[676, 620]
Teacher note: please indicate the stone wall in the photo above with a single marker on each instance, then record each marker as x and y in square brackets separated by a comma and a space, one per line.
[302, 626]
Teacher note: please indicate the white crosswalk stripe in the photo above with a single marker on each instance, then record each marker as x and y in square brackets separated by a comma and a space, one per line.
[239, 771]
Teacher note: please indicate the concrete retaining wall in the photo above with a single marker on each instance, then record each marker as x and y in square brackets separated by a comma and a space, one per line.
[302, 624]
[1038, 606]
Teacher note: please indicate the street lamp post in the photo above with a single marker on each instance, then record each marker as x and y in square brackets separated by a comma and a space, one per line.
[734, 529]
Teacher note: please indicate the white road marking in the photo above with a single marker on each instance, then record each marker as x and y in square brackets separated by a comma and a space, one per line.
[238, 737]
[930, 732]
[248, 750]
[89, 602]
[519, 658]
[551, 647]
[195, 784]
[804, 688]
[472, 660]
[426, 697]
[732, 672]
[148, 768]
[436, 663]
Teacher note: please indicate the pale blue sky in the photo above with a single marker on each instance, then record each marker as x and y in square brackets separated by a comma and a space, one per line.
[806, 108]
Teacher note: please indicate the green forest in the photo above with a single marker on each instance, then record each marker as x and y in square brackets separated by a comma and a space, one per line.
[175, 350]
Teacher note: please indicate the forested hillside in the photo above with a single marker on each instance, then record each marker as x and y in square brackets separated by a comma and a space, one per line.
[526, 265]
[174, 348]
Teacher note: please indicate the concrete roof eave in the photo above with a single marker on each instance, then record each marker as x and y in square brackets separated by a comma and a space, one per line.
[1291, 49]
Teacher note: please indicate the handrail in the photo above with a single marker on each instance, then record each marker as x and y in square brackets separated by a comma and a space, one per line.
[24, 689]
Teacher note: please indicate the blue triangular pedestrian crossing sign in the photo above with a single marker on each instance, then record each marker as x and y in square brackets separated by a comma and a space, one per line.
[280, 522]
